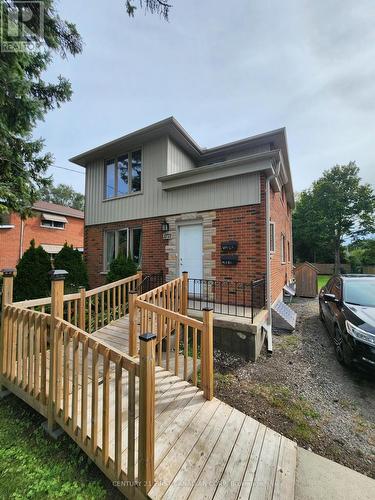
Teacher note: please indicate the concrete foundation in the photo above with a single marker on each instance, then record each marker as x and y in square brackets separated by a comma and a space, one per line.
[238, 335]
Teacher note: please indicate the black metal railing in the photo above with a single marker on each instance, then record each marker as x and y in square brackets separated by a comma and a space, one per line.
[231, 298]
[151, 281]
[258, 296]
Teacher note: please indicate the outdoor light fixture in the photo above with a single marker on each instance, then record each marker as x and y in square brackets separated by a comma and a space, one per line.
[164, 227]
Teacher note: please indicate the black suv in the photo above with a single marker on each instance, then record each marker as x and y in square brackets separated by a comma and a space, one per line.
[347, 307]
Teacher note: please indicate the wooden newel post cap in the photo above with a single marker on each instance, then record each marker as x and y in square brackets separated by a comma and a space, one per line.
[80, 287]
[58, 274]
[8, 273]
[132, 292]
[185, 272]
[207, 309]
[147, 336]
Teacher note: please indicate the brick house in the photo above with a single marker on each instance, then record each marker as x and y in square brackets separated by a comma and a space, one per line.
[51, 226]
[156, 195]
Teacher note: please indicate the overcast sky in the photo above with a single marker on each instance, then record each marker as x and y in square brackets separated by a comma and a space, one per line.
[226, 70]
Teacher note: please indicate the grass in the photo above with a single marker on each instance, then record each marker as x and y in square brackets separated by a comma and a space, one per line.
[323, 280]
[35, 466]
[290, 342]
[296, 409]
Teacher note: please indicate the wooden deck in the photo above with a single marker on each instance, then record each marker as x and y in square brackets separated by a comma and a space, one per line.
[150, 423]
[207, 449]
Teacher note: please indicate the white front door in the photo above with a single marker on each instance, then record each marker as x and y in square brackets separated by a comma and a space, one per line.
[191, 250]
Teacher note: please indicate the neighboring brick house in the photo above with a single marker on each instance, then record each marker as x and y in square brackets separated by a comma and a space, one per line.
[51, 226]
[170, 204]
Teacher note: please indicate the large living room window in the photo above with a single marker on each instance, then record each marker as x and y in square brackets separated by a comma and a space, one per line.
[124, 241]
[123, 175]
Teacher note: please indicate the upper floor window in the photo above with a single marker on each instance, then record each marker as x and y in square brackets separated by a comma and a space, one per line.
[272, 237]
[123, 175]
[53, 221]
[5, 221]
[282, 248]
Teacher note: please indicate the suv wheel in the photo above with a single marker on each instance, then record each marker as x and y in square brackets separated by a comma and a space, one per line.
[342, 350]
[321, 315]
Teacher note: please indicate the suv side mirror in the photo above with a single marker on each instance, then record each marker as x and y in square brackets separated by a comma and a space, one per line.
[330, 297]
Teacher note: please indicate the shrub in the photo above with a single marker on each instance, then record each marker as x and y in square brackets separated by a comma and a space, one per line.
[71, 261]
[120, 268]
[32, 280]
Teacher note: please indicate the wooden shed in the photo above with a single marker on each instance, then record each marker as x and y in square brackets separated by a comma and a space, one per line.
[306, 280]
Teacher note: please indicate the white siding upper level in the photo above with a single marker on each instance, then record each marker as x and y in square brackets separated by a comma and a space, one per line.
[177, 160]
[160, 158]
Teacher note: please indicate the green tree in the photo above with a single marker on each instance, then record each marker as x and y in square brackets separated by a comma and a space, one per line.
[337, 207]
[71, 260]
[25, 98]
[32, 280]
[62, 194]
[362, 252]
[120, 268]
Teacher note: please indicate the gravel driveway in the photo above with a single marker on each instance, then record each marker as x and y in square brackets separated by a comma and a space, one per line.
[305, 394]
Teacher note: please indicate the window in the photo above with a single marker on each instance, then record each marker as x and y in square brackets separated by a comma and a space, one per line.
[288, 251]
[56, 224]
[272, 237]
[125, 241]
[121, 178]
[282, 248]
[5, 221]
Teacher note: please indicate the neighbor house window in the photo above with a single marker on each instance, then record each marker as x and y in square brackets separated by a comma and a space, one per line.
[123, 175]
[283, 248]
[272, 237]
[53, 223]
[5, 221]
[126, 241]
[288, 251]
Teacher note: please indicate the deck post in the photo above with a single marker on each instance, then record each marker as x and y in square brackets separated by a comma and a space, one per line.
[57, 311]
[82, 307]
[207, 354]
[139, 281]
[132, 323]
[185, 288]
[146, 432]
[7, 298]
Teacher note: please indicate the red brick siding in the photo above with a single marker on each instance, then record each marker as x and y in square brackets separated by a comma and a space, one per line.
[246, 225]
[10, 238]
[153, 247]
[281, 216]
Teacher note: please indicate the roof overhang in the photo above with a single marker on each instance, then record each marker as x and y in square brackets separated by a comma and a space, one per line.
[249, 164]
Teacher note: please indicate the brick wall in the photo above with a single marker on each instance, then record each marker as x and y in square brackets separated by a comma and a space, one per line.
[153, 247]
[244, 224]
[10, 238]
[281, 216]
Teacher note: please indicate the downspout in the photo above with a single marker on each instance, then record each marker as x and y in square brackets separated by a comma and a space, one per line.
[21, 236]
[268, 258]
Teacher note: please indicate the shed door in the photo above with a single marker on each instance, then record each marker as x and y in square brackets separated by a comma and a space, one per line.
[191, 250]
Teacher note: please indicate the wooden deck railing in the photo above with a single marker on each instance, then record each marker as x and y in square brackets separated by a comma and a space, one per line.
[162, 311]
[92, 309]
[96, 398]
[25, 352]
[103, 398]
